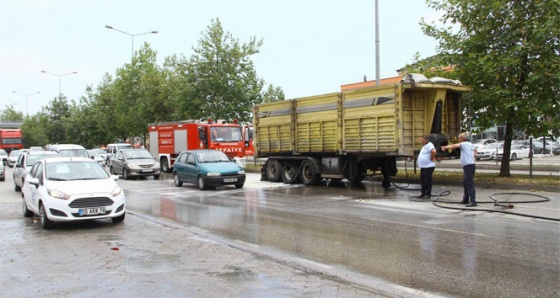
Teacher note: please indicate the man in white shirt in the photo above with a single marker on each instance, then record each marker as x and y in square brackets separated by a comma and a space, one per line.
[468, 153]
[427, 165]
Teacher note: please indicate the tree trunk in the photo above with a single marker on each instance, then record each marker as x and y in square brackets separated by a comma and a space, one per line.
[505, 168]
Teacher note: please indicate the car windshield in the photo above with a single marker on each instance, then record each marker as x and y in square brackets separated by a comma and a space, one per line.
[73, 152]
[92, 153]
[481, 141]
[100, 151]
[75, 170]
[211, 156]
[16, 153]
[138, 154]
[32, 159]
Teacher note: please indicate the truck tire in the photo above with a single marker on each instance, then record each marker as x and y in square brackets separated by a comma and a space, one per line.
[164, 165]
[273, 168]
[309, 174]
[289, 173]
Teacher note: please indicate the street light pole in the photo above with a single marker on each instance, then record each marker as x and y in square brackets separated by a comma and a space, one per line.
[26, 97]
[131, 35]
[59, 79]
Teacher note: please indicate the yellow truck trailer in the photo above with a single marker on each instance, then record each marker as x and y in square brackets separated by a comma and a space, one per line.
[355, 133]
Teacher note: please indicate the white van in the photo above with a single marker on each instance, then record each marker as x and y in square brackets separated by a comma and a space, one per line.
[113, 149]
[69, 150]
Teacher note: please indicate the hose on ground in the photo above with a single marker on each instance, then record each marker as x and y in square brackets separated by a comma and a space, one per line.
[438, 202]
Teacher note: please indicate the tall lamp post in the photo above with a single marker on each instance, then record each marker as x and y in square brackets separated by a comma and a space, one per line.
[26, 97]
[59, 79]
[131, 35]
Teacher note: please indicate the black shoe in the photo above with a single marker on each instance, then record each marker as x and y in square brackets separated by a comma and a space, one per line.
[471, 205]
[423, 197]
[464, 202]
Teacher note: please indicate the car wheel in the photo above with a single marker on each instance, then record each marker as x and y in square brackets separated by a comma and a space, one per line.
[118, 218]
[26, 211]
[124, 174]
[46, 223]
[176, 180]
[16, 187]
[513, 156]
[493, 156]
[202, 183]
[238, 185]
[156, 177]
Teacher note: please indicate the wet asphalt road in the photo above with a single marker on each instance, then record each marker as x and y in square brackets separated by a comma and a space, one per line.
[366, 236]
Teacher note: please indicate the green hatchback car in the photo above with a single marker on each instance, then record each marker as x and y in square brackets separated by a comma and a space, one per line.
[207, 168]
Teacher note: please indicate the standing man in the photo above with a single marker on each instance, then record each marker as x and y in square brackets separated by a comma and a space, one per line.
[468, 153]
[426, 162]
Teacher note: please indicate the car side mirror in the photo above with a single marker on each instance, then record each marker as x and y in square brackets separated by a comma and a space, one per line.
[115, 177]
[33, 181]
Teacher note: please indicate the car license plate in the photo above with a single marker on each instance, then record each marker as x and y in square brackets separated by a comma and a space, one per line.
[226, 180]
[146, 170]
[91, 211]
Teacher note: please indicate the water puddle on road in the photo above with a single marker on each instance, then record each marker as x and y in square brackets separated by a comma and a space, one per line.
[152, 264]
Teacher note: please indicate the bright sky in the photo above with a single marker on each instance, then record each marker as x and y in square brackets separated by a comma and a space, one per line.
[309, 47]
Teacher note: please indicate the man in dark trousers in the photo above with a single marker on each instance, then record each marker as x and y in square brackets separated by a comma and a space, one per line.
[468, 153]
[427, 165]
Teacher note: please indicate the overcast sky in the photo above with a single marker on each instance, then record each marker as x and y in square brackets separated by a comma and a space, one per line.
[309, 46]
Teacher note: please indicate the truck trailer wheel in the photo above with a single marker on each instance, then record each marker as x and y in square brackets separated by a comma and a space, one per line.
[309, 173]
[273, 168]
[164, 165]
[289, 173]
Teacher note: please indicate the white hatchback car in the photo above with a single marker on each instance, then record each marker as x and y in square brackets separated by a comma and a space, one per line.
[71, 189]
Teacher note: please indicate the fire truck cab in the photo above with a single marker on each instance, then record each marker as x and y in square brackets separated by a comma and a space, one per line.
[168, 139]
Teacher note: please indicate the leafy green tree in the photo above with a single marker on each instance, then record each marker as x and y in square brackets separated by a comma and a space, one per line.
[56, 113]
[222, 79]
[273, 94]
[509, 52]
[140, 94]
[10, 114]
[35, 131]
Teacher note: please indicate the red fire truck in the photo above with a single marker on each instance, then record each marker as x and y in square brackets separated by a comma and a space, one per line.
[11, 139]
[168, 139]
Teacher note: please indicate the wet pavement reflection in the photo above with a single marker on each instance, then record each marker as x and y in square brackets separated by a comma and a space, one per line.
[368, 230]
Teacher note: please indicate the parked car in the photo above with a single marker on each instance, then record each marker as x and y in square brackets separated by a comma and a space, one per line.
[135, 163]
[25, 162]
[36, 148]
[13, 157]
[71, 189]
[479, 144]
[490, 151]
[2, 172]
[547, 146]
[517, 152]
[207, 168]
[97, 157]
[4, 156]
[70, 150]
[102, 153]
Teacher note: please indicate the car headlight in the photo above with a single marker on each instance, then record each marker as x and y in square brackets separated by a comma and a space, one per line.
[213, 174]
[58, 194]
[241, 172]
[116, 191]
